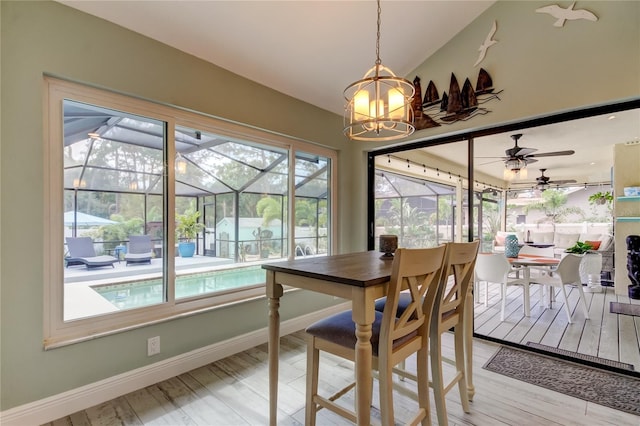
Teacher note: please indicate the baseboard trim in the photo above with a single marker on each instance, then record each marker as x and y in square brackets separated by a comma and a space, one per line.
[69, 402]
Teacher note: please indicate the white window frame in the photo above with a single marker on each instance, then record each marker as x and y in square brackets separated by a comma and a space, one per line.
[58, 332]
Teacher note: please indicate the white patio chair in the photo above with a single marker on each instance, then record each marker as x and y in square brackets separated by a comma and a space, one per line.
[495, 268]
[567, 273]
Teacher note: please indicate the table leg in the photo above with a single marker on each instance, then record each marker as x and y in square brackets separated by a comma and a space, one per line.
[468, 346]
[363, 313]
[274, 292]
[525, 290]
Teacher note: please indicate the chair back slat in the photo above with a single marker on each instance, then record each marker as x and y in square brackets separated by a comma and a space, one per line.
[417, 272]
[454, 285]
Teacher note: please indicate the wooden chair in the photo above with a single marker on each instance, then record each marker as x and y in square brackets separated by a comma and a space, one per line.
[495, 268]
[567, 273]
[450, 313]
[395, 336]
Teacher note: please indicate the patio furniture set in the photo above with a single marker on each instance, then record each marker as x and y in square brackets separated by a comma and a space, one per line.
[82, 252]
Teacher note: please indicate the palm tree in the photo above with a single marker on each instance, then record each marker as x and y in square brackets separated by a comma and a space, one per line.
[269, 209]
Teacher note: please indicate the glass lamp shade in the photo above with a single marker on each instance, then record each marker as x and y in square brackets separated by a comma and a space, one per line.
[388, 245]
[378, 106]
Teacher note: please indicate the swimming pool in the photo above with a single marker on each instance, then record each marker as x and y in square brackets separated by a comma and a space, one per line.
[150, 292]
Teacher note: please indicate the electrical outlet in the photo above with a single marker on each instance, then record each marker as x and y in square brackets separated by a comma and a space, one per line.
[153, 346]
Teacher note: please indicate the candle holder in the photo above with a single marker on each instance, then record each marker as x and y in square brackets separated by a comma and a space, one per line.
[388, 245]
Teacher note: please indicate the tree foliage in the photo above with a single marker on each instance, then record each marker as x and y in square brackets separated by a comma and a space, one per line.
[553, 205]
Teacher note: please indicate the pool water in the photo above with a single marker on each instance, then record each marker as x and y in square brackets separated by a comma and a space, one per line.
[150, 292]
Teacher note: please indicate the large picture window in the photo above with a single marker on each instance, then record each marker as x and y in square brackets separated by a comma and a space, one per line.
[154, 212]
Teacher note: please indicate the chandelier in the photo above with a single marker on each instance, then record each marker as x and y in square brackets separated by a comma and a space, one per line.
[379, 105]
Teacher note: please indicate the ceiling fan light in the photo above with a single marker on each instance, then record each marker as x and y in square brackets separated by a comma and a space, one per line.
[513, 164]
[523, 172]
[509, 174]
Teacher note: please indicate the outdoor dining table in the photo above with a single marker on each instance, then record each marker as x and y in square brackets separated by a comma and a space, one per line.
[359, 277]
[526, 261]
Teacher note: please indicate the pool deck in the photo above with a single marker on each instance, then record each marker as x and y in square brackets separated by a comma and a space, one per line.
[80, 273]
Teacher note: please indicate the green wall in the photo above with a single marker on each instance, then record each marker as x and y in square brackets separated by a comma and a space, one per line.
[541, 69]
[46, 37]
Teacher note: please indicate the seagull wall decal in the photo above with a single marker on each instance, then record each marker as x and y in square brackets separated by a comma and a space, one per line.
[566, 14]
[488, 42]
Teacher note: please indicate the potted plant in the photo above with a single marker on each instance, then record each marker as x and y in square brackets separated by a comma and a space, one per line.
[186, 231]
[579, 248]
[601, 198]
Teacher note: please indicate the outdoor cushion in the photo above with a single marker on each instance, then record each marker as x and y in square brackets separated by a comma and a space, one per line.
[590, 237]
[81, 251]
[565, 240]
[542, 237]
[595, 245]
[605, 242]
[140, 249]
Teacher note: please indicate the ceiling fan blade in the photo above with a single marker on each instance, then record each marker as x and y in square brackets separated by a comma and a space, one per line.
[561, 182]
[489, 162]
[530, 160]
[519, 151]
[552, 154]
[545, 183]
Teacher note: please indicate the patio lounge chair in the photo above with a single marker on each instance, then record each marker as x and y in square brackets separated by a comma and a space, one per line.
[140, 249]
[81, 252]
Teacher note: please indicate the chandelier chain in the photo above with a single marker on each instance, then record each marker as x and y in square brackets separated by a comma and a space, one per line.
[379, 104]
[378, 61]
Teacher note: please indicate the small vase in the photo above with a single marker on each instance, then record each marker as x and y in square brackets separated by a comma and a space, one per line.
[388, 245]
[511, 247]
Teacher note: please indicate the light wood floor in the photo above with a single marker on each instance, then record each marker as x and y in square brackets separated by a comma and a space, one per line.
[605, 335]
[234, 391]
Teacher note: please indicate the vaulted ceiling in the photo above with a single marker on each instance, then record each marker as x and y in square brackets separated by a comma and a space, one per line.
[311, 50]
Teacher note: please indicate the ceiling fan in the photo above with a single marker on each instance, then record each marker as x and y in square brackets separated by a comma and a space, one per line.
[517, 158]
[544, 182]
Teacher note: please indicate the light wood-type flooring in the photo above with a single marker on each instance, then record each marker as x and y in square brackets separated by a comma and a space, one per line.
[234, 391]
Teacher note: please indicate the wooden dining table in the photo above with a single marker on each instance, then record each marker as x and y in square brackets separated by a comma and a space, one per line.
[359, 277]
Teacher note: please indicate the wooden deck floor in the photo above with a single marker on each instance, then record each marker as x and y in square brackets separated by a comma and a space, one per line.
[605, 335]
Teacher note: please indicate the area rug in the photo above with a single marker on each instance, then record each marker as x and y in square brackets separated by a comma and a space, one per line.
[583, 357]
[589, 384]
[624, 308]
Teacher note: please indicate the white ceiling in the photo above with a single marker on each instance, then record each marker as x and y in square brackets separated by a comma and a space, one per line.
[311, 50]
